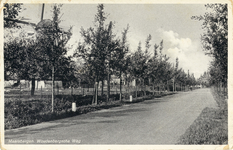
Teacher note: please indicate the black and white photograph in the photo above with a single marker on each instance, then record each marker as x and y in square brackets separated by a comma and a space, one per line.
[116, 75]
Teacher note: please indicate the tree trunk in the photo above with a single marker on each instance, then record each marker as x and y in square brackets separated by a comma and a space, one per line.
[120, 87]
[173, 85]
[159, 88]
[52, 87]
[144, 88]
[93, 100]
[102, 90]
[128, 89]
[33, 86]
[184, 86]
[221, 86]
[108, 88]
[96, 94]
[153, 89]
[136, 89]
[71, 91]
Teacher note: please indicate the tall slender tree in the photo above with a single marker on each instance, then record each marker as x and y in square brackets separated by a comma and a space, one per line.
[98, 47]
[215, 38]
[120, 58]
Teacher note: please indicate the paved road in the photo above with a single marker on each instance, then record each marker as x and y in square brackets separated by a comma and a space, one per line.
[157, 121]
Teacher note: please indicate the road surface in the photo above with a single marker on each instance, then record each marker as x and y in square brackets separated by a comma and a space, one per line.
[157, 121]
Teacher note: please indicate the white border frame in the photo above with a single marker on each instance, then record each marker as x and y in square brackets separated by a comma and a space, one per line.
[204, 147]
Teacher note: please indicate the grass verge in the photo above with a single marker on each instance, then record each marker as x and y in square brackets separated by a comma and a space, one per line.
[211, 127]
[24, 113]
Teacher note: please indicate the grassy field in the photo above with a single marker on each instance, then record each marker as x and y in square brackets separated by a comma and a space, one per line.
[211, 127]
[43, 94]
[24, 94]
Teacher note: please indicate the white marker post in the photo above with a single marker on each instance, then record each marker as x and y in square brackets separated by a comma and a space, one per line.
[130, 98]
[74, 107]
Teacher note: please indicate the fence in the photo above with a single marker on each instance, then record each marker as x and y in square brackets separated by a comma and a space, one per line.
[43, 90]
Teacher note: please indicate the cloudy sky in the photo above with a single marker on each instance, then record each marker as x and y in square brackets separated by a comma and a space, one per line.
[168, 22]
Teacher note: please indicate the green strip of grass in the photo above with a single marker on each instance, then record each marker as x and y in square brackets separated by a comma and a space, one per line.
[211, 127]
[28, 114]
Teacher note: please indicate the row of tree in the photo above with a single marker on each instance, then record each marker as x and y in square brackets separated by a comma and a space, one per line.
[40, 56]
[103, 54]
[215, 42]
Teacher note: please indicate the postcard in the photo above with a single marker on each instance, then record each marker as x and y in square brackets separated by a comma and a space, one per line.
[116, 74]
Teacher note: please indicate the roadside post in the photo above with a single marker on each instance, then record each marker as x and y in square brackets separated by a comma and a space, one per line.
[130, 98]
[74, 107]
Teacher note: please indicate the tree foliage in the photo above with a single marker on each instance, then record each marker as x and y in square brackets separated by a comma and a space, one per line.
[11, 11]
[97, 45]
[215, 38]
[20, 59]
[100, 48]
[28, 58]
[52, 40]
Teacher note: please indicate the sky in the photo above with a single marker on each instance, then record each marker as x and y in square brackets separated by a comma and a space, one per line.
[171, 23]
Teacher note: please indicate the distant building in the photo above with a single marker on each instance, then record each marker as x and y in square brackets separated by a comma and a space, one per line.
[116, 81]
[28, 84]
